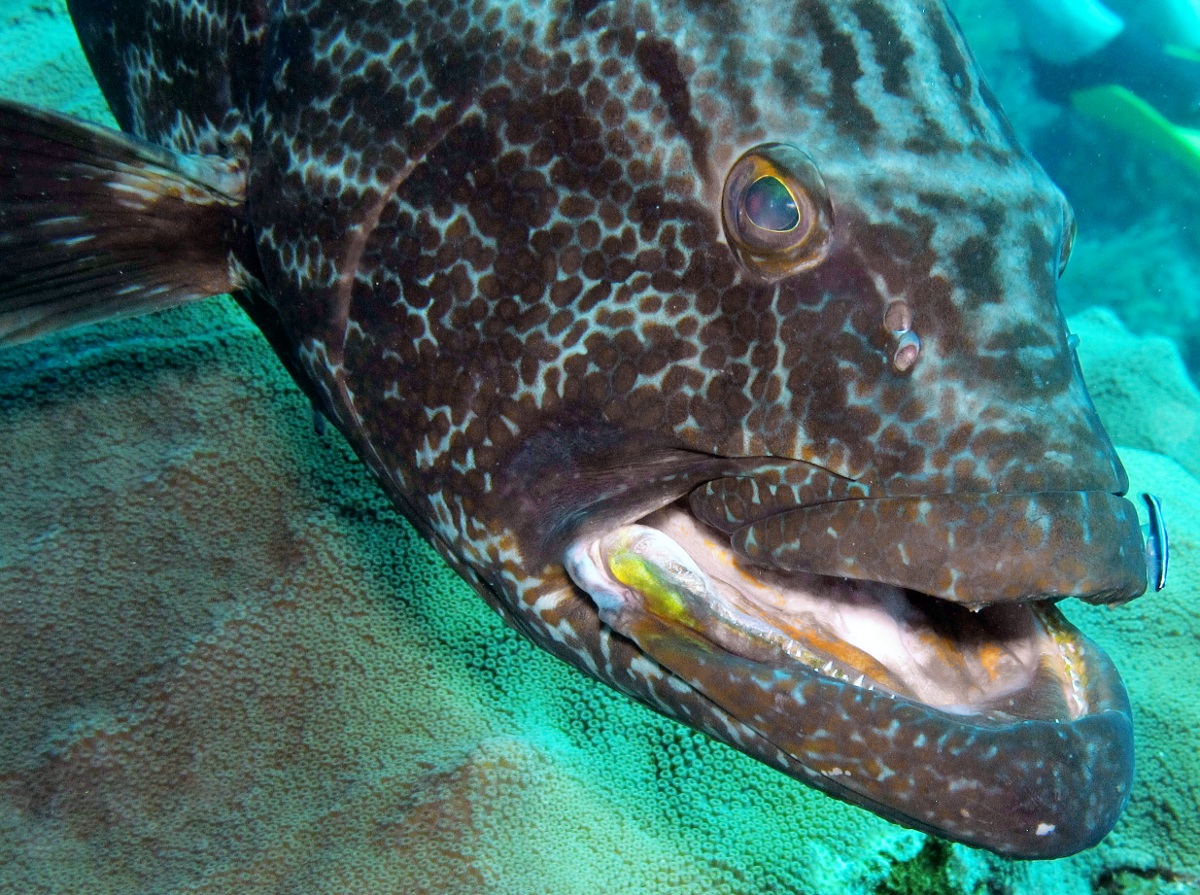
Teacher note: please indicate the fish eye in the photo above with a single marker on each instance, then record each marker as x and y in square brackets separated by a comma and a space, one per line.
[776, 211]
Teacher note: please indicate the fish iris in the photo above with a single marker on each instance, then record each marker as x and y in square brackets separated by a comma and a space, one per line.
[771, 206]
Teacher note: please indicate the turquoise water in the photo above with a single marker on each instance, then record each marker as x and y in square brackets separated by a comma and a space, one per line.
[229, 667]
[1139, 235]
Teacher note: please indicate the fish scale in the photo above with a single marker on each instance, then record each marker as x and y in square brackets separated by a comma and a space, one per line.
[506, 248]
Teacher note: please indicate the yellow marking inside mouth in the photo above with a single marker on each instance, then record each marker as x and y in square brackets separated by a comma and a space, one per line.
[658, 595]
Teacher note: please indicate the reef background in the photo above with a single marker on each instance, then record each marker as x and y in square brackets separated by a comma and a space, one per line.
[229, 666]
[1138, 251]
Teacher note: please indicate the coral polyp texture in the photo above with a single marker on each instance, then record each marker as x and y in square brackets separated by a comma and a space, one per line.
[230, 665]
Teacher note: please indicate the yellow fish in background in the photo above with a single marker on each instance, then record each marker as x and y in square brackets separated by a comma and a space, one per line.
[1123, 111]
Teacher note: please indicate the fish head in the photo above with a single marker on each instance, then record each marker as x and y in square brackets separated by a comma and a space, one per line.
[717, 345]
[893, 332]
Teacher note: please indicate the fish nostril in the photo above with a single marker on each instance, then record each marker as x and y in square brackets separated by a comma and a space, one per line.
[907, 352]
[898, 319]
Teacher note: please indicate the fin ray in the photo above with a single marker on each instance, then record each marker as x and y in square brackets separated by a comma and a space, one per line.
[96, 224]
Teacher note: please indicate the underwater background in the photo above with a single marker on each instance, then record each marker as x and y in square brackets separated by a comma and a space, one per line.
[228, 666]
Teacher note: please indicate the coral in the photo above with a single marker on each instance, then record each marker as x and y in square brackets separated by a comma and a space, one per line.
[929, 872]
[1150, 881]
[1153, 641]
[40, 59]
[1140, 387]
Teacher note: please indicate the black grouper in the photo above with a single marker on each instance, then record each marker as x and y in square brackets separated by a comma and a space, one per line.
[713, 342]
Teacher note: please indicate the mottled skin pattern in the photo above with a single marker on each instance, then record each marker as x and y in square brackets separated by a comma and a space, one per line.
[487, 239]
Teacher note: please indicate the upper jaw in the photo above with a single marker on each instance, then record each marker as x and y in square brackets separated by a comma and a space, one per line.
[969, 547]
[973, 549]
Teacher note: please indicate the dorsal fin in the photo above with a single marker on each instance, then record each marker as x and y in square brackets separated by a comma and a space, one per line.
[95, 224]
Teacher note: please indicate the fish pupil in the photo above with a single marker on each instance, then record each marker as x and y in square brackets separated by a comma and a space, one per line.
[770, 205]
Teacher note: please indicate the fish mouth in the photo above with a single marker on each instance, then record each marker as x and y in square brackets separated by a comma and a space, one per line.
[993, 664]
[851, 679]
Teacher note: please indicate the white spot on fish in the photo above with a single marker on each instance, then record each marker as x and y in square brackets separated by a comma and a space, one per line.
[645, 669]
[1045, 829]
[678, 686]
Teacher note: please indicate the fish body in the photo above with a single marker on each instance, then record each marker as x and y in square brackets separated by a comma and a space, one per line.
[715, 344]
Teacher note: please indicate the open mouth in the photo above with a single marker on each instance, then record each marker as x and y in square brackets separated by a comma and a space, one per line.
[997, 663]
[993, 723]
